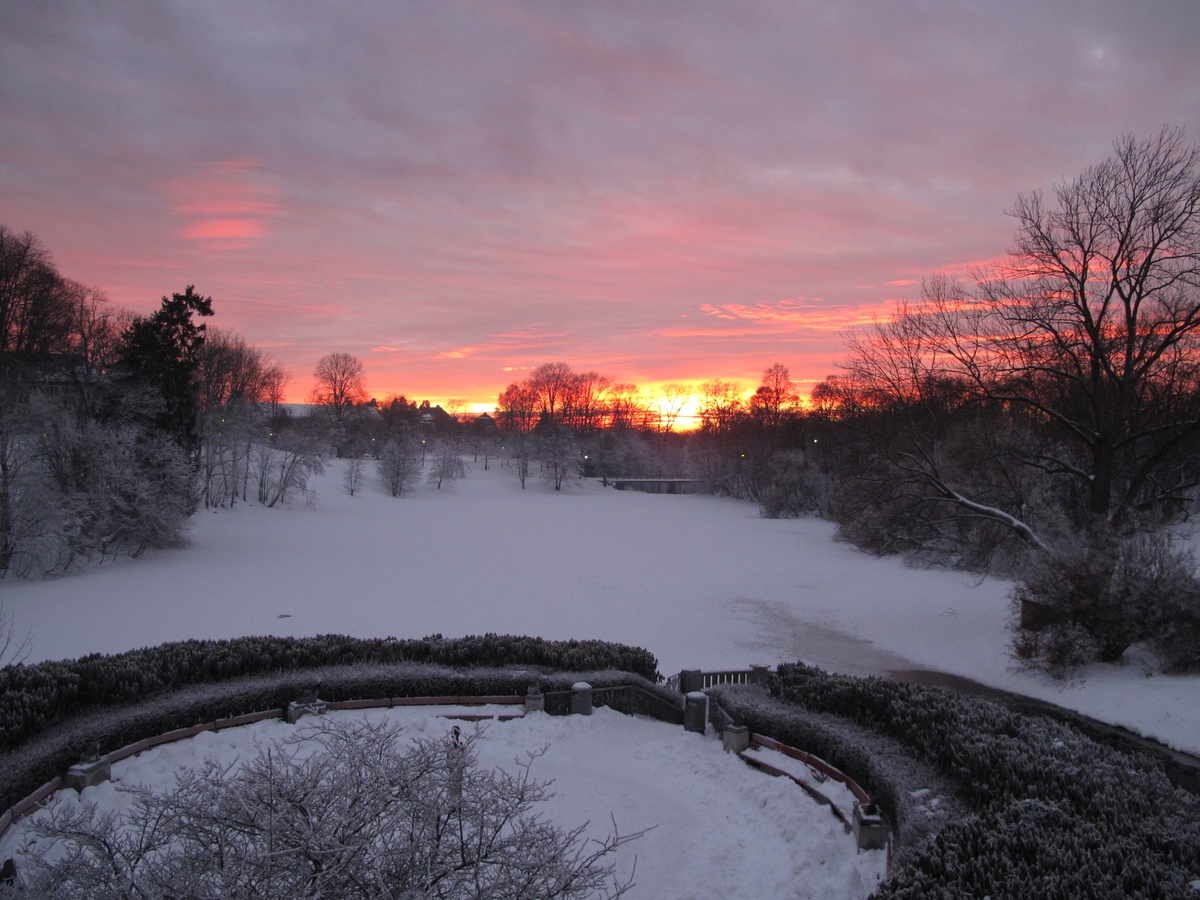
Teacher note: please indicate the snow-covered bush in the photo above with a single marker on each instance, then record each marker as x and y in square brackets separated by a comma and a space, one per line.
[362, 816]
[559, 454]
[75, 490]
[448, 463]
[1057, 814]
[353, 477]
[34, 696]
[1098, 598]
[794, 486]
[399, 463]
[281, 466]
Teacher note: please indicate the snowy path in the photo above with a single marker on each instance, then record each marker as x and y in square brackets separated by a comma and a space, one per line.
[700, 581]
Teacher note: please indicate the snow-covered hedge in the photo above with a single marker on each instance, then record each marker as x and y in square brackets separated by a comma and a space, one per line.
[1056, 814]
[43, 756]
[735, 704]
[34, 696]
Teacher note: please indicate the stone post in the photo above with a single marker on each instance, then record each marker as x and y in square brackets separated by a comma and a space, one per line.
[305, 706]
[736, 738]
[535, 700]
[456, 761]
[581, 699]
[695, 712]
[93, 769]
[691, 680]
[870, 830]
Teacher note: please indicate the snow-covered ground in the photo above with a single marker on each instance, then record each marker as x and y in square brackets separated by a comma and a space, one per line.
[702, 582]
[718, 828]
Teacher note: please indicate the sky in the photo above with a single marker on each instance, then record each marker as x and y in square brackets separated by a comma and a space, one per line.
[457, 192]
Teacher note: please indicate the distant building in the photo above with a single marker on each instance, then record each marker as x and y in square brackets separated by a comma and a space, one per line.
[485, 424]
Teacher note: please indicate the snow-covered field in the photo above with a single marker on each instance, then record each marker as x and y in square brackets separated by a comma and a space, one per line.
[702, 582]
[718, 828]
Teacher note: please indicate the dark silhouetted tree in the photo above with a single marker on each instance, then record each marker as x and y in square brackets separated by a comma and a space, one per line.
[161, 352]
[339, 384]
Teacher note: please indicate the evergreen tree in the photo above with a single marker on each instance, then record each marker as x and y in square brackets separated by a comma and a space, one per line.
[160, 351]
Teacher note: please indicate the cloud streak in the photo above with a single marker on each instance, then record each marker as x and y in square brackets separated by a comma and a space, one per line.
[481, 188]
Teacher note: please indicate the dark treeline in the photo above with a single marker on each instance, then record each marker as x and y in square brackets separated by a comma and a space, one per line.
[566, 424]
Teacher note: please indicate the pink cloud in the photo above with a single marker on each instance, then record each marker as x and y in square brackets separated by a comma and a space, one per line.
[225, 203]
[225, 229]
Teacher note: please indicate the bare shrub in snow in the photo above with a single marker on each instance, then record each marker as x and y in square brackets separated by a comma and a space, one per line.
[352, 479]
[236, 384]
[74, 489]
[359, 817]
[12, 650]
[447, 462]
[520, 448]
[122, 489]
[560, 457]
[795, 486]
[283, 465]
[1099, 597]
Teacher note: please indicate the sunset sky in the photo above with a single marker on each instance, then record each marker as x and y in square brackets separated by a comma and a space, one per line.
[457, 192]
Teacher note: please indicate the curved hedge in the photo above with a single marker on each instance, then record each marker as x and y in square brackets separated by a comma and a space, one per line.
[35, 696]
[36, 761]
[1057, 814]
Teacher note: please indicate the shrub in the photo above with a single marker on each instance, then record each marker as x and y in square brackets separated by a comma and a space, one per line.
[795, 486]
[1056, 813]
[50, 753]
[1098, 598]
[34, 696]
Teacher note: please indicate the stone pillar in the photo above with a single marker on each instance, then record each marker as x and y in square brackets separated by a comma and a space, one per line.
[305, 706]
[758, 674]
[691, 680]
[581, 699]
[870, 830]
[89, 772]
[695, 712]
[736, 738]
[535, 700]
[456, 758]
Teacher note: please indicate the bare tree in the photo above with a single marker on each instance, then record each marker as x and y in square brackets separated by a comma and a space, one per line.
[275, 382]
[720, 402]
[520, 448]
[36, 305]
[551, 383]
[627, 407]
[399, 461]
[339, 384]
[447, 462]
[12, 651]
[517, 408]
[232, 379]
[774, 400]
[283, 464]
[353, 476]
[559, 454]
[1089, 335]
[672, 398]
[584, 407]
[360, 817]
